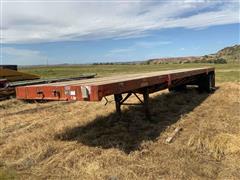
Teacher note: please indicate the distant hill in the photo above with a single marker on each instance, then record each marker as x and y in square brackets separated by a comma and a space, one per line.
[226, 55]
[231, 54]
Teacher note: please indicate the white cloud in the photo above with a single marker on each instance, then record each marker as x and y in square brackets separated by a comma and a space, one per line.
[29, 22]
[122, 50]
[151, 44]
[22, 56]
[20, 52]
[135, 47]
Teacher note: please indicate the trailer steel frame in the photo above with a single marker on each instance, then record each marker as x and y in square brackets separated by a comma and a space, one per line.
[135, 84]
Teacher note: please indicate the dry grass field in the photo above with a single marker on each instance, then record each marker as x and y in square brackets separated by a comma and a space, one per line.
[82, 140]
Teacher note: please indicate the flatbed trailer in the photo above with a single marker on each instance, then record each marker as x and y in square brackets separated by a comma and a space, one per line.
[130, 84]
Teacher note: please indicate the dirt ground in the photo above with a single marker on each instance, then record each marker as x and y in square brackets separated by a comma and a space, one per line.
[83, 140]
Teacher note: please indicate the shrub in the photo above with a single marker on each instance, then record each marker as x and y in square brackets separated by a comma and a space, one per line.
[220, 61]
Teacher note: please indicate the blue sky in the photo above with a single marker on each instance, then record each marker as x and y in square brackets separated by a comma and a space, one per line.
[40, 32]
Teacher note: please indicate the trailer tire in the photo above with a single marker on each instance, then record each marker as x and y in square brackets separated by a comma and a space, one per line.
[207, 83]
[179, 88]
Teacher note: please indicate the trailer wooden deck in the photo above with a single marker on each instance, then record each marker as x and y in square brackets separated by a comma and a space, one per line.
[141, 83]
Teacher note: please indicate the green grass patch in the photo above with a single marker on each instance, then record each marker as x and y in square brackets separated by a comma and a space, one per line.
[229, 76]
[7, 174]
[224, 72]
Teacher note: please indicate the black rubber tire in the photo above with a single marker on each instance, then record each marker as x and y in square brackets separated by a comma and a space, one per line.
[179, 88]
[207, 83]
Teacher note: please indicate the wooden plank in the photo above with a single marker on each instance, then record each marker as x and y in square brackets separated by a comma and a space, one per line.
[124, 77]
[173, 135]
[12, 75]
